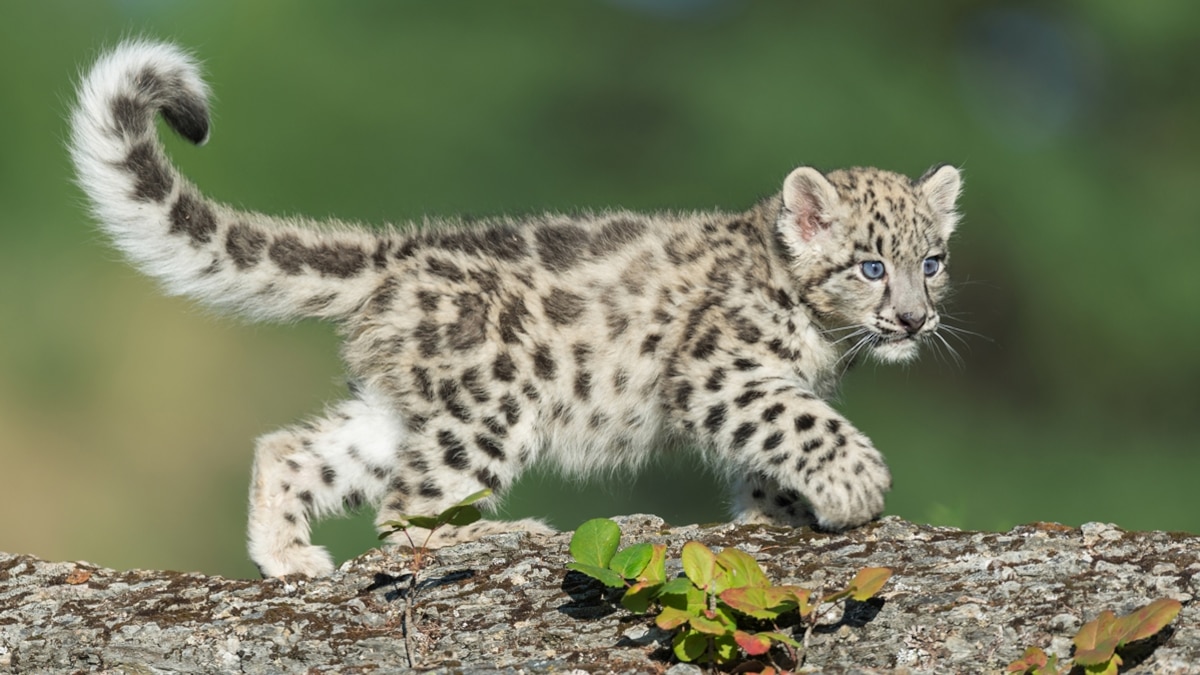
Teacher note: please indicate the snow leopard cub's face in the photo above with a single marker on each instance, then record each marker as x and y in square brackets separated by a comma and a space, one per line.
[870, 251]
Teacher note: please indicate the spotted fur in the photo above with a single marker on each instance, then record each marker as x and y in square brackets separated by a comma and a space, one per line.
[589, 342]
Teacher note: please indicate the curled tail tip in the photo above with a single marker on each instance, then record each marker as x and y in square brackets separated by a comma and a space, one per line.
[128, 84]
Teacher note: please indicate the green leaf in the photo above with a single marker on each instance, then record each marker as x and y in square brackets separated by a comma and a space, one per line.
[726, 648]
[699, 563]
[706, 625]
[697, 600]
[679, 586]
[595, 542]
[1110, 667]
[426, 522]
[868, 581]
[629, 562]
[741, 568]
[692, 602]
[713, 622]
[1142, 623]
[390, 527]
[672, 617]
[637, 599]
[460, 515]
[602, 574]
[780, 637]
[689, 645]
[457, 515]
[474, 497]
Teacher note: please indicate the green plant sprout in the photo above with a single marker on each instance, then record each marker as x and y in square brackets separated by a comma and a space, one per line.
[463, 513]
[1097, 641]
[718, 597]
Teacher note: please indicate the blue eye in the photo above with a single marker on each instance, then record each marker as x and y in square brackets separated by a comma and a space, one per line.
[931, 266]
[872, 269]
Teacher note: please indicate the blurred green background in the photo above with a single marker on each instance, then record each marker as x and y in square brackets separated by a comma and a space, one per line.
[127, 419]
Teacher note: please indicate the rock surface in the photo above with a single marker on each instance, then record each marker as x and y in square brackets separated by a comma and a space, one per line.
[958, 602]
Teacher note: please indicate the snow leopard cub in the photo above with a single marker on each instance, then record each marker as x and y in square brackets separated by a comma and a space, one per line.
[585, 341]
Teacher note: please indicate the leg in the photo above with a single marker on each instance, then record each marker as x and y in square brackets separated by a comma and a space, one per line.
[340, 462]
[760, 499]
[792, 445]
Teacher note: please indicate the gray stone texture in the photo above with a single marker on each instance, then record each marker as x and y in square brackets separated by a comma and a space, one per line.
[959, 602]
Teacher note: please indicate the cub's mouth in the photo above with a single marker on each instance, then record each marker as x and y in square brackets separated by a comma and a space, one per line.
[896, 347]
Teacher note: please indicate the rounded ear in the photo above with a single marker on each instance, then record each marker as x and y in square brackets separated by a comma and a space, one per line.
[941, 186]
[810, 200]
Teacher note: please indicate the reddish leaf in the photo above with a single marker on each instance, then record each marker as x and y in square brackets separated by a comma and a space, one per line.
[1095, 643]
[655, 571]
[798, 595]
[765, 602]
[749, 600]
[868, 581]
[754, 645]
[835, 596]
[1147, 621]
[1033, 659]
[78, 576]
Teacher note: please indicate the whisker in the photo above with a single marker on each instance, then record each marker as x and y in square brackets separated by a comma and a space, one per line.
[959, 332]
[856, 333]
[958, 316]
[976, 282]
[867, 340]
[949, 349]
[954, 334]
[841, 329]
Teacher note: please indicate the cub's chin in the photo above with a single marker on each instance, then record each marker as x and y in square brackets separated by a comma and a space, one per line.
[899, 350]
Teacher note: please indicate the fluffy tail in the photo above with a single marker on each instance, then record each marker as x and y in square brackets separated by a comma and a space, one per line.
[265, 267]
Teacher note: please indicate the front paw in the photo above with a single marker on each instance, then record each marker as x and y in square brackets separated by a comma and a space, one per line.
[310, 561]
[846, 486]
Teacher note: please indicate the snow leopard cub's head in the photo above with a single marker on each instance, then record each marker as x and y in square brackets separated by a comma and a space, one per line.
[869, 248]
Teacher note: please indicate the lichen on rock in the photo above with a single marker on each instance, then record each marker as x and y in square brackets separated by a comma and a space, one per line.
[958, 602]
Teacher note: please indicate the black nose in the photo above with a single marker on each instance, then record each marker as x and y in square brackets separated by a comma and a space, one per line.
[912, 322]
